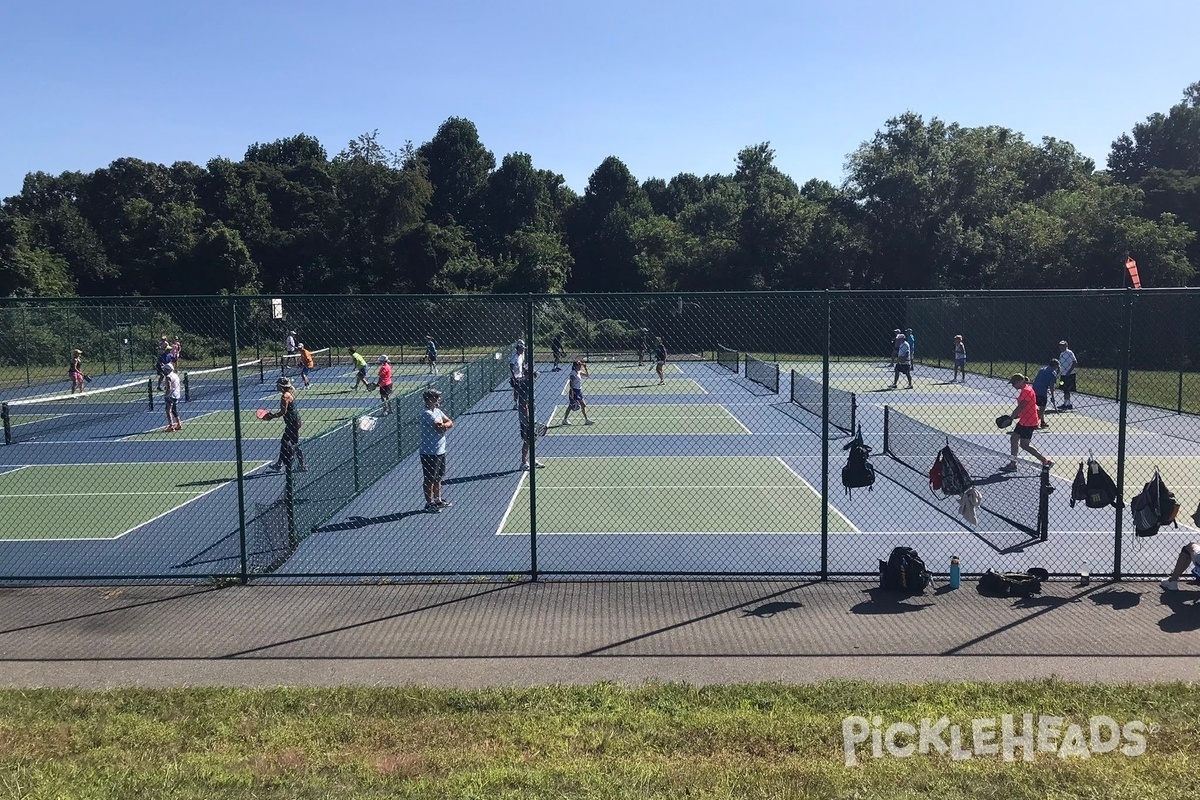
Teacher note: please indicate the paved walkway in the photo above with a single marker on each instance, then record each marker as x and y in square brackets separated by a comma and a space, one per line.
[490, 634]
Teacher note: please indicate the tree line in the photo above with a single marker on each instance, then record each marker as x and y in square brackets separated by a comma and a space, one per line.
[925, 204]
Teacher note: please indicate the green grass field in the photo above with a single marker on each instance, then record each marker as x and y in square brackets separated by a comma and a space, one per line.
[766, 742]
[700, 494]
[100, 501]
[677, 419]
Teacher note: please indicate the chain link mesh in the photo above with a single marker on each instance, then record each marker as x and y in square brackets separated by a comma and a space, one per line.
[593, 435]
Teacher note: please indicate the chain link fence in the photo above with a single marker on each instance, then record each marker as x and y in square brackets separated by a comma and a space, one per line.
[591, 435]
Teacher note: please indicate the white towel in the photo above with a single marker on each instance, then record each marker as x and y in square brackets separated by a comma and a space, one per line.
[968, 501]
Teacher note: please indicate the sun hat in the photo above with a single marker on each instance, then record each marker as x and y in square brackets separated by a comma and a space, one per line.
[284, 383]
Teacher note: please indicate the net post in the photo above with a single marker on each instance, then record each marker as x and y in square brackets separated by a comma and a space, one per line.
[262, 373]
[7, 424]
[150, 393]
[187, 388]
[792, 393]
[887, 411]
[1123, 398]
[1044, 505]
[825, 440]
[853, 412]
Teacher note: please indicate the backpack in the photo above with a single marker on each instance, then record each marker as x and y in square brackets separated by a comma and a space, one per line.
[955, 478]
[859, 471]
[904, 571]
[1154, 507]
[1009, 584]
[1101, 491]
[1079, 492]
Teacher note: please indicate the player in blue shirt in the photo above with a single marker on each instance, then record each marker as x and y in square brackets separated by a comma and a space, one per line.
[1043, 384]
[431, 355]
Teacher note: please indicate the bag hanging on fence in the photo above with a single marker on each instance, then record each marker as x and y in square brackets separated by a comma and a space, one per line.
[1079, 492]
[1101, 491]
[904, 571]
[935, 474]
[955, 478]
[1009, 584]
[859, 471]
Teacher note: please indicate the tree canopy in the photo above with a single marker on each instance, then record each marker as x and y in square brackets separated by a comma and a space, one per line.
[925, 204]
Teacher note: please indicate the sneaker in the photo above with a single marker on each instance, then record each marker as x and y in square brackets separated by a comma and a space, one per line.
[588, 422]
[538, 464]
[444, 503]
[1047, 464]
[1170, 586]
[566, 422]
[168, 429]
[1043, 426]
[1067, 407]
[432, 508]
[1009, 467]
[179, 427]
[275, 467]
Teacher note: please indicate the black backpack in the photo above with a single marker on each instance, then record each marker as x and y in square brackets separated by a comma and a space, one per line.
[859, 471]
[955, 478]
[1154, 507]
[904, 571]
[1009, 584]
[1079, 492]
[1101, 491]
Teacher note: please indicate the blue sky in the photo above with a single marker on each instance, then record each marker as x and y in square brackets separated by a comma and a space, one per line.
[668, 87]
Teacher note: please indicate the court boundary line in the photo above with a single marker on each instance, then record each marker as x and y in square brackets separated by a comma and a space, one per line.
[598, 393]
[854, 528]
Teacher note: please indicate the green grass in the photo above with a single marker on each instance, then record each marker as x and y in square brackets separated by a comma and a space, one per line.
[699, 494]
[679, 419]
[100, 501]
[601, 741]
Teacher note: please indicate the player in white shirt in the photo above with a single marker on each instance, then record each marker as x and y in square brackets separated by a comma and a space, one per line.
[171, 397]
[1067, 366]
[516, 369]
[575, 401]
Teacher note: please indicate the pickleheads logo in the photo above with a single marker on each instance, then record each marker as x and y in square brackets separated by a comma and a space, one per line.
[991, 736]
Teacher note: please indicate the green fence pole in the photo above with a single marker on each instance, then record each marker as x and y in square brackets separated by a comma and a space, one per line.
[1123, 397]
[354, 440]
[103, 343]
[239, 464]
[825, 438]
[533, 554]
[1179, 396]
[25, 319]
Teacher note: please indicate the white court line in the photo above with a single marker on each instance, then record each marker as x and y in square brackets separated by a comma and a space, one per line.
[511, 503]
[191, 420]
[95, 494]
[854, 528]
[15, 468]
[662, 486]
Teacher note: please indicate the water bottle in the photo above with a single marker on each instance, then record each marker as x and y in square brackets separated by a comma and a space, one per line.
[955, 574]
[1085, 574]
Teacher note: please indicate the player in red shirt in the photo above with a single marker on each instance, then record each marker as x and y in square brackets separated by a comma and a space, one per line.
[1028, 419]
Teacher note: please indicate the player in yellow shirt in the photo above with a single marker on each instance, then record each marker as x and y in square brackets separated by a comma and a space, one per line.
[360, 370]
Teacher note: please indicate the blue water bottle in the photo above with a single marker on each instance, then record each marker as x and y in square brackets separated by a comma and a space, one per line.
[955, 575]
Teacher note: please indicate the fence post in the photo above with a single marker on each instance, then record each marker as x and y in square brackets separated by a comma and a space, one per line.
[354, 440]
[25, 321]
[530, 410]
[103, 343]
[1123, 398]
[825, 439]
[1179, 396]
[243, 569]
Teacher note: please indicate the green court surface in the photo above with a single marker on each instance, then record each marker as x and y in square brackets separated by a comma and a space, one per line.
[219, 424]
[700, 494]
[981, 418]
[100, 501]
[598, 368]
[675, 419]
[882, 385]
[638, 384]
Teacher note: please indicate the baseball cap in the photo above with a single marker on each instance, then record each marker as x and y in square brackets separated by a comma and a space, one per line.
[1063, 342]
[383, 359]
[519, 343]
[897, 330]
[1016, 376]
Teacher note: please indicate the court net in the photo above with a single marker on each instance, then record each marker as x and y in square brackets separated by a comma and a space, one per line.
[290, 364]
[38, 417]
[1019, 498]
[346, 461]
[764, 373]
[809, 395]
[727, 358]
[201, 383]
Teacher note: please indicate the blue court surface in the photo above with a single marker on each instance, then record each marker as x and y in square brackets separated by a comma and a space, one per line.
[708, 473]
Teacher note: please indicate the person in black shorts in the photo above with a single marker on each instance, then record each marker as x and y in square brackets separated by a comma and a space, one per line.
[557, 347]
[289, 443]
[660, 358]
[523, 387]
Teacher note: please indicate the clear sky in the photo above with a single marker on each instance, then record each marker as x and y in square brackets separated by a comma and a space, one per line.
[667, 87]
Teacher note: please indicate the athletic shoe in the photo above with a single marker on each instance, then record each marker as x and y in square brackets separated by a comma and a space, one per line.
[1047, 464]
[1067, 407]
[432, 508]
[444, 504]
[275, 467]
[1043, 426]
[588, 422]
[1170, 586]
[1009, 467]
[566, 422]
[168, 429]
[538, 464]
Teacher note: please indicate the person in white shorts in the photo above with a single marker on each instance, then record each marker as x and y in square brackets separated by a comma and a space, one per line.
[575, 400]
[1188, 556]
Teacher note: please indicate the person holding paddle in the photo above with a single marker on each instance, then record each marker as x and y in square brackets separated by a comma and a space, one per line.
[1067, 365]
[289, 443]
[1026, 415]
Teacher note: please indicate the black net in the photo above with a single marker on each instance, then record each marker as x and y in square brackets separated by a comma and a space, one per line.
[1014, 495]
[763, 373]
[40, 418]
[729, 359]
[218, 383]
[808, 394]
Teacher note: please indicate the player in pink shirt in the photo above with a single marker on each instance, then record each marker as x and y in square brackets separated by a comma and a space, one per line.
[1027, 419]
[384, 382]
